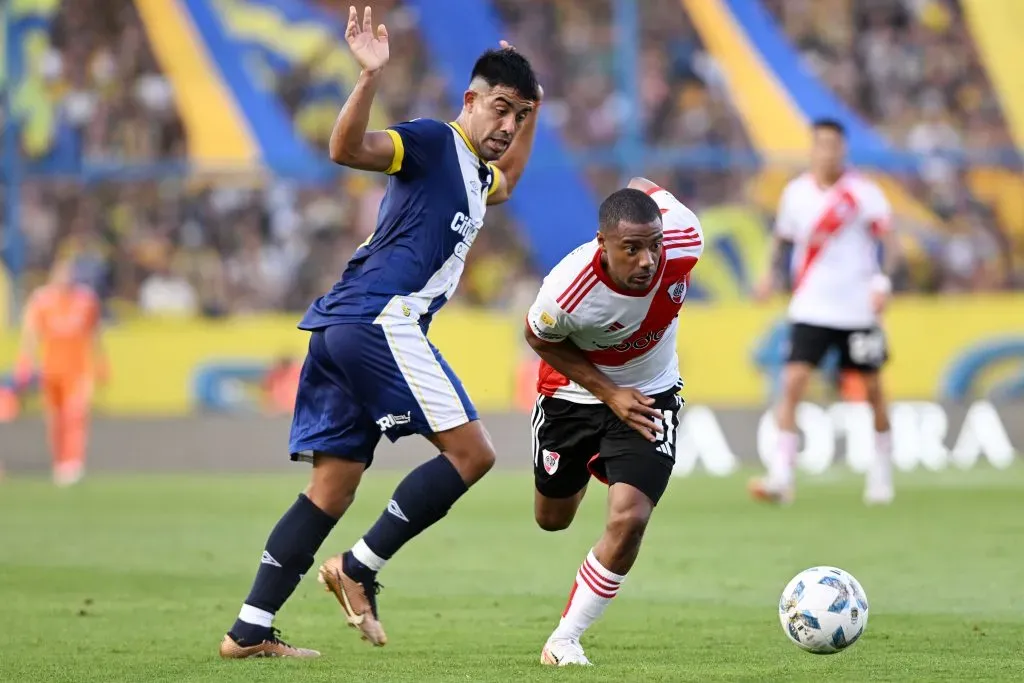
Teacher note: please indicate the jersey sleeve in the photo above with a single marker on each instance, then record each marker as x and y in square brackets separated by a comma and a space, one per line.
[495, 179]
[417, 143]
[879, 213]
[546, 318]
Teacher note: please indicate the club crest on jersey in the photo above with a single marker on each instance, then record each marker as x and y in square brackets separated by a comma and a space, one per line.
[677, 292]
[551, 462]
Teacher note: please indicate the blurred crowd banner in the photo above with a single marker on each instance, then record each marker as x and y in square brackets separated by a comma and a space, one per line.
[927, 435]
[947, 349]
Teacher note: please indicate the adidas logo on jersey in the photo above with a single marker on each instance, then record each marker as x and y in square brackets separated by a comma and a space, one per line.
[615, 327]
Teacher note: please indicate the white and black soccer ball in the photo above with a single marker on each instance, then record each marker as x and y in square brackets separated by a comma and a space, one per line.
[823, 610]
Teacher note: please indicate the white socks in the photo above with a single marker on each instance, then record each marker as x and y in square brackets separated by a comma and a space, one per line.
[780, 470]
[592, 590]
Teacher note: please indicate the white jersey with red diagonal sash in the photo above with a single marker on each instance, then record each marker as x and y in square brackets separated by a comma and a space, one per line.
[629, 335]
[834, 231]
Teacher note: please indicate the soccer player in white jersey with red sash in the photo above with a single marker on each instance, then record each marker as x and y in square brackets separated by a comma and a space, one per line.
[604, 325]
[835, 219]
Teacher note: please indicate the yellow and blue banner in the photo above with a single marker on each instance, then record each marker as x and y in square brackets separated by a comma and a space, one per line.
[290, 41]
[946, 349]
[230, 120]
[44, 137]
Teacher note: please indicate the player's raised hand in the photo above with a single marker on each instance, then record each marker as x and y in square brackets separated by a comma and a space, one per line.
[371, 51]
[633, 408]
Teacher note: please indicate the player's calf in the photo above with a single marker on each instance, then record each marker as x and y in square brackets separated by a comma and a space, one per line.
[601, 574]
[628, 515]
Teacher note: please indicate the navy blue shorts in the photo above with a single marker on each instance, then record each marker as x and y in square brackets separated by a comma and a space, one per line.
[362, 380]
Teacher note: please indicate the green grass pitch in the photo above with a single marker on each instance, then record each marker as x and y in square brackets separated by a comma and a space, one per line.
[136, 578]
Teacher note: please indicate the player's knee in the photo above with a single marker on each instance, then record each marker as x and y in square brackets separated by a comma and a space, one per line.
[332, 486]
[627, 526]
[332, 501]
[473, 459]
[552, 520]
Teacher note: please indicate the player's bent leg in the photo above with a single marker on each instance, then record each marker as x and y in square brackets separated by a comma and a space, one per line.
[556, 514]
[779, 485]
[330, 430]
[601, 574]
[288, 555]
[878, 484]
[422, 499]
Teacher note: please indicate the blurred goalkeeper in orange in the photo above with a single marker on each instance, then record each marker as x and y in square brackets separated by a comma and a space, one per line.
[61, 341]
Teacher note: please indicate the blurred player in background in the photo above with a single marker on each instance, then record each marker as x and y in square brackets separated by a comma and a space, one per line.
[61, 343]
[370, 369]
[604, 325]
[834, 218]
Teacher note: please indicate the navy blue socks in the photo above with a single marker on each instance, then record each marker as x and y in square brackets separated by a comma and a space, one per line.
[421, 499]
[287, 556]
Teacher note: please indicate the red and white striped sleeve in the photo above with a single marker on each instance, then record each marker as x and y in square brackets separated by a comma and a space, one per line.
[555, 312]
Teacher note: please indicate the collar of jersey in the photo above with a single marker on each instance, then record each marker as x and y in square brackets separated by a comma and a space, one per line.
[465, 138]
[610, 284]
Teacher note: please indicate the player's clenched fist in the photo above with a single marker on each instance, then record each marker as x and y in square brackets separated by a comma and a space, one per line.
[371, 51]
[634, 408]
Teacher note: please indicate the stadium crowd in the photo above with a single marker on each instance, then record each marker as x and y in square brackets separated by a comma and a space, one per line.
[218, 247]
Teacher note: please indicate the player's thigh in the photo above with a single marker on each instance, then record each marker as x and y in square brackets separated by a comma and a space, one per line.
[404, 383]
[329, 418]
[628, 458]
[865, 351]
[564, 437]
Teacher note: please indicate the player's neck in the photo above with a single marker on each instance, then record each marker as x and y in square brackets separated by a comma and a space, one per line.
[826, 179]
[603, 262]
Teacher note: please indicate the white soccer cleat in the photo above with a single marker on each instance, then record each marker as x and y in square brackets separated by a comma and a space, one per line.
[563, 652]
[881, 493]
[878, 488]
[68, 474]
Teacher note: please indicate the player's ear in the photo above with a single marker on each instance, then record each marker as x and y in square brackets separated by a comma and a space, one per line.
[469, 99]
[600, 240]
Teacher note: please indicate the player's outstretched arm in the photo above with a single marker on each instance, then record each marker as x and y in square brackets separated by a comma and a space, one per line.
[351, 145]
[631, 406]
[513, 162]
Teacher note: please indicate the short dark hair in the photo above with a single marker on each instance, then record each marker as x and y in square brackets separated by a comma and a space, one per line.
[509, 68]
[830, 124]
[630, 205]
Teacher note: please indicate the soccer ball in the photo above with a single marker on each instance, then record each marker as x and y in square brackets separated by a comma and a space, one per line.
[823, 610]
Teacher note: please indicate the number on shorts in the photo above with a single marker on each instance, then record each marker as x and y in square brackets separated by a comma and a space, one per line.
[867, 348]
